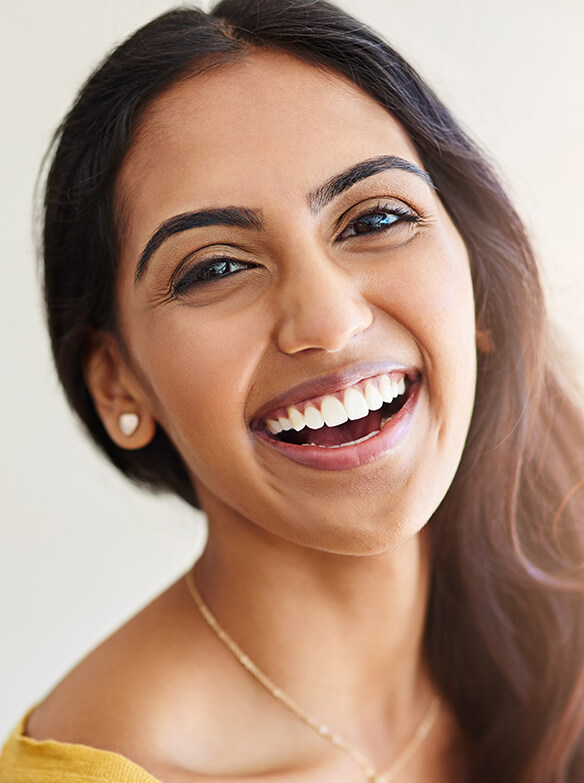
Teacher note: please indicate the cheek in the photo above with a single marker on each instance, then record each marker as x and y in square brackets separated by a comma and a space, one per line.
[447, 301]
[450, 335]
[451, 329]
[199, 370]
[433, 297]
[429, 290]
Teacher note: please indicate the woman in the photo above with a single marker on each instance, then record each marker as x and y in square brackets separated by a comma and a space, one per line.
[282, 283]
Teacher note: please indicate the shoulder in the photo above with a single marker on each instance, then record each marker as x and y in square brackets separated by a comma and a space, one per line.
[30, 761]
[165, 694]
[139, 690]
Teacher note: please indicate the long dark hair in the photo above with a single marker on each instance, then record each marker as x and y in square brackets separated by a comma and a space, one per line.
[505, 627]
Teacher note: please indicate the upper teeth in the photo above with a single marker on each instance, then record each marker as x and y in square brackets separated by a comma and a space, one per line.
[333, 410]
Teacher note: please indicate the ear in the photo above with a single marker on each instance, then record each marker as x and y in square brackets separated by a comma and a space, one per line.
[484, 341]
[119, 399]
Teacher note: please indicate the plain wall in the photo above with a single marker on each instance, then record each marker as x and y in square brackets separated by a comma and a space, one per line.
[81, 550]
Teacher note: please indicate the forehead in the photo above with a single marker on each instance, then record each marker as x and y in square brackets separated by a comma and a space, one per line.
[239, 134]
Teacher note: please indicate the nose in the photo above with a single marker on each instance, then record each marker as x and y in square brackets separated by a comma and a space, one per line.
[321, 306]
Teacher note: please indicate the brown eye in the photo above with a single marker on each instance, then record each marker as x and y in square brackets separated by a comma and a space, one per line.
[207, 272]
[377, 220]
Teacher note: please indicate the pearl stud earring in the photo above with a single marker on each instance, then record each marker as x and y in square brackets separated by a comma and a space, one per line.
[129, 423]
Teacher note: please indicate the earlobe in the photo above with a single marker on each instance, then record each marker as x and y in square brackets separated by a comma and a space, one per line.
[129, 423]
[118, 397]
[484, 341]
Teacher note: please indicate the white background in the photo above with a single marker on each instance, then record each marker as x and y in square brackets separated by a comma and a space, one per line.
[80, 549]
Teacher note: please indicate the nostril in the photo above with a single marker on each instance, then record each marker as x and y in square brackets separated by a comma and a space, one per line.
[327, 324]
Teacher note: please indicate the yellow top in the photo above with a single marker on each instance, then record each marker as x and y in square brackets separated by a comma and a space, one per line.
[25, 760]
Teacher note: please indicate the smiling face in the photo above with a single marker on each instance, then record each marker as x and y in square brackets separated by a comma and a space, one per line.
[296, 304]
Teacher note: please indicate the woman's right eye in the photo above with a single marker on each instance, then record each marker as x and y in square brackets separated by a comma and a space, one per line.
[206, 272]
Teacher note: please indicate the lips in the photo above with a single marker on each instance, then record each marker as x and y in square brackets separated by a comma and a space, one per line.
[341, 419]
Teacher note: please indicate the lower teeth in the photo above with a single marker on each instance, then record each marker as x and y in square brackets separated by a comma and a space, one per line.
[352, 442]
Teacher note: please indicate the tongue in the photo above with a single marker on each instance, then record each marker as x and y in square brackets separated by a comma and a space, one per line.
[343, 433]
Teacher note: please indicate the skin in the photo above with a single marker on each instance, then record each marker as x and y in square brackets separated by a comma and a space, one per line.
[329, 564]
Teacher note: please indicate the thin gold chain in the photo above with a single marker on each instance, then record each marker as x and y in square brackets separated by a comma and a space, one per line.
[322, 729]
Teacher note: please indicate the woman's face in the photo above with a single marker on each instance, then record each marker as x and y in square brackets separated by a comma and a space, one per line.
[313, 276]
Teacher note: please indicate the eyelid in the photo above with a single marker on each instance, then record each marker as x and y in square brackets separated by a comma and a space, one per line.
[182, 282]
[369, 206]
[220, 252]
[382, 201]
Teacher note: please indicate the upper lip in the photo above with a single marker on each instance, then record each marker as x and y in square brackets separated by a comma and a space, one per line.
[329, 384]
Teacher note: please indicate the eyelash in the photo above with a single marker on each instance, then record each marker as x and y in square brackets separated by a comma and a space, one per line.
[199, 274]
[401, 215]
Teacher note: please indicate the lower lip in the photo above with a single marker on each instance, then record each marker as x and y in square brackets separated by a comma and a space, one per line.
[347, 457]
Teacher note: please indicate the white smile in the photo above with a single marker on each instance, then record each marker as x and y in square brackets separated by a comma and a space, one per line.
[332, 410]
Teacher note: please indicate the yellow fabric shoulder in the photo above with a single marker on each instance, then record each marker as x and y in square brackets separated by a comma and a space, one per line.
[25, 760]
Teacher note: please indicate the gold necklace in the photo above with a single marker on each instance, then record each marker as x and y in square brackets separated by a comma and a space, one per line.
[322, 729]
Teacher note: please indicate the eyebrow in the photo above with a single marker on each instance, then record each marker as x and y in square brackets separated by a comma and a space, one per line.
[333, 187]
[227, 216]
[241, 217]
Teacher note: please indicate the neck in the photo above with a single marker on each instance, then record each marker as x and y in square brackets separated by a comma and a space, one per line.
[341, 634]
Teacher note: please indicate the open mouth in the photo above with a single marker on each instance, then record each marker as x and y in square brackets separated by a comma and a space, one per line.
[344, 418]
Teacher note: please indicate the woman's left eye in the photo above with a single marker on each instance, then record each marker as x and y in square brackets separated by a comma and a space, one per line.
[376, 220]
